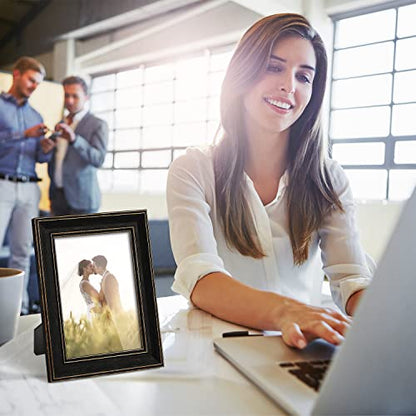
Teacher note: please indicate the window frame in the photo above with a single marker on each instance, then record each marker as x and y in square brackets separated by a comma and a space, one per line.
[390, 140]
[208, 123]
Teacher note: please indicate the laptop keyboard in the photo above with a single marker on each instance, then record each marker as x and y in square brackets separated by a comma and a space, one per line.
[309, 372]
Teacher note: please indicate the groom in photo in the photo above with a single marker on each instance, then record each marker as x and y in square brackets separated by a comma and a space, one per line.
[110, 294]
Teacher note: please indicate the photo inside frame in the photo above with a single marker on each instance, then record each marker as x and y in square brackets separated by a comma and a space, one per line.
[98, 296]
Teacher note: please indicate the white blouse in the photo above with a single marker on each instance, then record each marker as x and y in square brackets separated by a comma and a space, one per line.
[200, 248]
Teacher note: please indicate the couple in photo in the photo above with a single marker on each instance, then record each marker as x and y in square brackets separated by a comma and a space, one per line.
[109, 294]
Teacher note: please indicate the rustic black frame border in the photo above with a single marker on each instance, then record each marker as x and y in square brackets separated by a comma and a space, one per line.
[45, 230]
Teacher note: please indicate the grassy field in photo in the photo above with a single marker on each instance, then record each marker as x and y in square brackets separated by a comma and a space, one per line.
[102, 334]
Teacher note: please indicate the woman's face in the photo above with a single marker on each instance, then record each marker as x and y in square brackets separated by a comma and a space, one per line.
[88, 269]
[281, 94]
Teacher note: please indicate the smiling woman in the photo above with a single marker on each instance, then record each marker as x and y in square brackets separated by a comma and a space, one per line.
[285, 89]
[251, 216]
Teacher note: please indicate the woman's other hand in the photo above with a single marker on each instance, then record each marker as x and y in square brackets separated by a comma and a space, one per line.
[301, 323]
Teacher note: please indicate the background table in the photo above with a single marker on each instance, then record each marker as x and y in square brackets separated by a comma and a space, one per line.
[194, 381]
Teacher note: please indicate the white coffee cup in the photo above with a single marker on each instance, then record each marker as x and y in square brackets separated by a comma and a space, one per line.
[11, 289]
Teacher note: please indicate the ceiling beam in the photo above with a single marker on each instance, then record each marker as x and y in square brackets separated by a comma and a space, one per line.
[156, 8]
[204, 7]
[17, 29]
[8, 21]
[268, 7]
[212, 42]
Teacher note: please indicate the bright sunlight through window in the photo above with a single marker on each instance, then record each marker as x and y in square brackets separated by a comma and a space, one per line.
[154, 113]
[373, 102]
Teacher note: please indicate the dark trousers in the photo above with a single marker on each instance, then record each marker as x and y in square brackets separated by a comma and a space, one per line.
[60, 206]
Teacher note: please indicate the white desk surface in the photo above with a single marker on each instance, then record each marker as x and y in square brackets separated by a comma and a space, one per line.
[194, 381]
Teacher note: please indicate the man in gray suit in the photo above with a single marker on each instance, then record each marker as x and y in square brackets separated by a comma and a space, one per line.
[79, 150]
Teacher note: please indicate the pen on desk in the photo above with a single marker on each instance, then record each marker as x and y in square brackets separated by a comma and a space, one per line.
[240, 334]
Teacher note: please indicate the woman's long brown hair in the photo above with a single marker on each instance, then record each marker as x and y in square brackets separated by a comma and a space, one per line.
[309, 194]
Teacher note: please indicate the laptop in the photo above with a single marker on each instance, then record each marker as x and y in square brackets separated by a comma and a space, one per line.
[373, 371]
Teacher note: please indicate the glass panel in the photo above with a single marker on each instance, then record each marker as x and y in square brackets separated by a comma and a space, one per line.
[368, 28]
[158, 73]
[154, 181]
[404, 120]
[127, 139]
[404, 87]
[108, 161]
[157, 114]
[367, 184]
[157, 136]
[194, 87]
[126, 180]
[108, 117]
[102, 102]
[127, 160]
[215, 82]
[190, 68]
[212, 131]
[156, 159]
[190, 134]
[405, 54]
[158, 93]
[362, 122]
[364, 60]
[110, 140]
[359, 153]
[402, 183]
[103, 83]
[189, 111]
[220, 61]
[105, 179]
[129, 117]
[405, 152]
[178, 152]
[377, 91]
[129, 97]
[191, 78]
[406, 21]
[129, 78]
[214, 108]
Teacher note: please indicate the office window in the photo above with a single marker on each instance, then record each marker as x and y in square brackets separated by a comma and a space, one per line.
[154, 113]
[372, 125]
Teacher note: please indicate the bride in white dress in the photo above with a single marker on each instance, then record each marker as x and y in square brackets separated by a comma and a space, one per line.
[89, 293]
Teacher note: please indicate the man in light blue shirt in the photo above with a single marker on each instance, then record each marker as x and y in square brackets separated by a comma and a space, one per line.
[22, 144]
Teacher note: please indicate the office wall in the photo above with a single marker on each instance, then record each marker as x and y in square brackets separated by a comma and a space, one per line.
[155, 204]
[376, 221]
[48, 100]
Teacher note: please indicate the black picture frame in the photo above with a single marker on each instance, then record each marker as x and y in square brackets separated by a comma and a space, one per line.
[95, 336]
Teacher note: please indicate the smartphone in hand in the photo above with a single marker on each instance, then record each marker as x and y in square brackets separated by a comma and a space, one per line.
[55, 135]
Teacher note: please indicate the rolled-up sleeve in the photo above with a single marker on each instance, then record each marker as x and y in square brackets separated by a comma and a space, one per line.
[345, 262]
[190, 196]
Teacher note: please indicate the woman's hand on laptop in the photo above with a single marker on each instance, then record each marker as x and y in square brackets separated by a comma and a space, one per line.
[301, 323]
